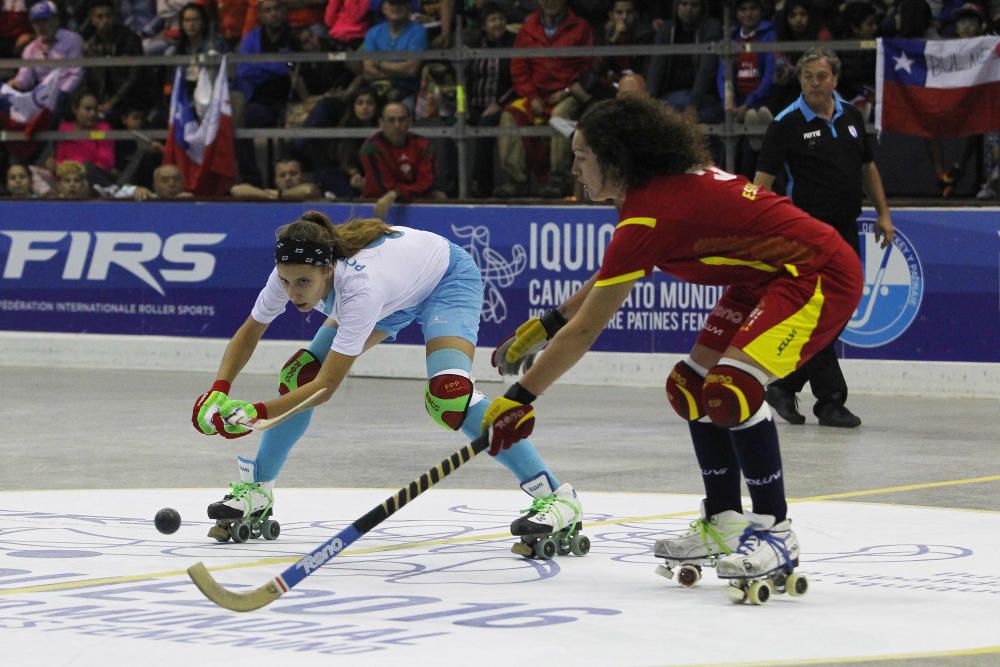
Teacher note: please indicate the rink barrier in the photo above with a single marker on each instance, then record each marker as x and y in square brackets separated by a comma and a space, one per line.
[621, 369]
[179, 278]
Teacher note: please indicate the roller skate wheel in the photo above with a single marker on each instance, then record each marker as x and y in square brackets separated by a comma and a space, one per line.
[664, 571]
[522, 549]
[796, 585]
[240, 532]
[579, 545]
[759, 593]
[219, 533]
[736, 594]
[270, 530]
[546, 549]
[688, 575]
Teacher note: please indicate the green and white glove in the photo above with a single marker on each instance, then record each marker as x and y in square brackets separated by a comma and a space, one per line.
[235, 418]
[208, 405]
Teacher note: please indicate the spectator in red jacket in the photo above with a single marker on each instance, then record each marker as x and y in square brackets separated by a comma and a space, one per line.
[546, 88]
[398, 165]
[347, 22]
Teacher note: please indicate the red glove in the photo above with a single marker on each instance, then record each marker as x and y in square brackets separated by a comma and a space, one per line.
[509, 419]
[208, 405]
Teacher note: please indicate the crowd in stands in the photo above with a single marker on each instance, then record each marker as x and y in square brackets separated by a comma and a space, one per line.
[395, 98]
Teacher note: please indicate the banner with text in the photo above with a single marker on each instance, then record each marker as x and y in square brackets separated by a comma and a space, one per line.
[194, 269]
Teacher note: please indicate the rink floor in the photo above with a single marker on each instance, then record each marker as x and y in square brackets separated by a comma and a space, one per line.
[898, 523]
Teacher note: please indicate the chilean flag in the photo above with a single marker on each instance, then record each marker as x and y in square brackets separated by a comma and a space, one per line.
[29, 112]
[941, 88]
[202, 150]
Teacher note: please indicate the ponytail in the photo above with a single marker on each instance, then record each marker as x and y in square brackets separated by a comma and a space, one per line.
[344, 240]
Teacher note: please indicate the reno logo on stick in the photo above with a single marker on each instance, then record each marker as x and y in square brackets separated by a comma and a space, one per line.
[894, 288]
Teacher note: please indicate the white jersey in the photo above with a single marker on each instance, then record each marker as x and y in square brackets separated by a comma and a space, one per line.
[395, 273]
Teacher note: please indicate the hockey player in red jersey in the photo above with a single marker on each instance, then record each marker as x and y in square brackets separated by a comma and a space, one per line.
[792, 284]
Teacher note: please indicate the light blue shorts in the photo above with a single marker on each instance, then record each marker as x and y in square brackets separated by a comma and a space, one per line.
[452, 309]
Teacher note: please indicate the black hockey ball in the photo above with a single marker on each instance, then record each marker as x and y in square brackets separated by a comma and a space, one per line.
[167, 520]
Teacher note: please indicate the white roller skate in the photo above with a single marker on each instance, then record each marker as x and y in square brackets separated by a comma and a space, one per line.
[245, 512]
[553, 522]
[707, 539]
[763, 563]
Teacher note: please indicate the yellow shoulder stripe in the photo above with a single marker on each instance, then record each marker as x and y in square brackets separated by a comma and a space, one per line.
[729, 261]
[634, 275]
[646, 222]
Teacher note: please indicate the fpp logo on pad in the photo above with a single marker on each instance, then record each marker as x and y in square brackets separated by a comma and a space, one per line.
[894, 289]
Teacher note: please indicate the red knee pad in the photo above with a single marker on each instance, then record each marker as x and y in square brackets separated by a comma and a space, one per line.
[731, 395]
[301, 367]
[447, 399]
[684, 391]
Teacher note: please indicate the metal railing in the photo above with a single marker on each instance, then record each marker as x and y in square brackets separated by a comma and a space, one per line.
[461, 132]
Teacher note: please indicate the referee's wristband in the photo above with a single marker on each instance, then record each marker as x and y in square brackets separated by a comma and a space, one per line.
[518, 393]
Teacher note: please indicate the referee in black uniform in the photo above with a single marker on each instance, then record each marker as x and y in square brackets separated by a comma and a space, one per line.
[819, 144]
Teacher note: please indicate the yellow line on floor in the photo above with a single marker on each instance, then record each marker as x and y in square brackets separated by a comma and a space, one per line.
[898, 489]
[984, 650]
[86, 583]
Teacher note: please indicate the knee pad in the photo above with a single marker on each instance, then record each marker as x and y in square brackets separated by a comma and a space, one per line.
[731, 395]
[447, 398]
[684, 391]
[301, 368]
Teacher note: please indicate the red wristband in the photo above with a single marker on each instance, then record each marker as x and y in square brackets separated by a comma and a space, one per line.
[222, 385]
[261, 410]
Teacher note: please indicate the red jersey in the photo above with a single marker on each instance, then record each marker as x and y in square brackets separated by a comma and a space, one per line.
[711, 227]
[407, 169]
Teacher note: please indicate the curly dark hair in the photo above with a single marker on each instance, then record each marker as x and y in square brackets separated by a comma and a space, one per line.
[635, 140]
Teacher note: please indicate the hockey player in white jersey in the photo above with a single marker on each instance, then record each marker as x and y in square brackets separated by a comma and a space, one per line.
[370, 280]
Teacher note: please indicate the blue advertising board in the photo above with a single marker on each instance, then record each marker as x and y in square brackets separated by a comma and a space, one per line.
[194, 269]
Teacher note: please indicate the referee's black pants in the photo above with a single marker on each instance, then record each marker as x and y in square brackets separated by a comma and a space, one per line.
[822, 370]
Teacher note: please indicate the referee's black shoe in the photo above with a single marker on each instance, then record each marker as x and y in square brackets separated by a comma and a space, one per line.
[785, 404]
[837, 415]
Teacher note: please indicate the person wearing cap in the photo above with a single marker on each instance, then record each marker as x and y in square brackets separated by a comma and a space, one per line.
[395, 80]
[51, 43]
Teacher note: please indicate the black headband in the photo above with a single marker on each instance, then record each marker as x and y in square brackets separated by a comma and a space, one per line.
[302, 251]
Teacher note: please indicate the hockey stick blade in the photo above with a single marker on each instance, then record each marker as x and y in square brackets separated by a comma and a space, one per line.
[312, 561]
[225, 598]
[264, 424]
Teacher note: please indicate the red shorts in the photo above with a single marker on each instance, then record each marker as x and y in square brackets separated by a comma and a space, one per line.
[782, 323]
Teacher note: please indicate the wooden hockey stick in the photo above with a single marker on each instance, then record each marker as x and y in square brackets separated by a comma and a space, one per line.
[309, 563]
[264, 424]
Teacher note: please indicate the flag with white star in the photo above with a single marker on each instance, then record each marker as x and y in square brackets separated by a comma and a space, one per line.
[939, 88]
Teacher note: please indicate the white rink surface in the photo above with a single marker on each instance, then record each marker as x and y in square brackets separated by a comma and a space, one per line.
[436, 583]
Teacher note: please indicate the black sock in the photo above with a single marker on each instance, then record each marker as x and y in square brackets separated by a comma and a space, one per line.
[760, 460]
[720, 470]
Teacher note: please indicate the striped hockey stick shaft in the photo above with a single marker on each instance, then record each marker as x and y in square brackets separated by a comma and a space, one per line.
[312, 561]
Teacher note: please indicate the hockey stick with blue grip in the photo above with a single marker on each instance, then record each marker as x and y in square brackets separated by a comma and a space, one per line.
[311, 562]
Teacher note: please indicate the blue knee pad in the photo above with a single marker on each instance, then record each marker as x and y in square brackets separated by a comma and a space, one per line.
[521, 459]
[276, 443]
